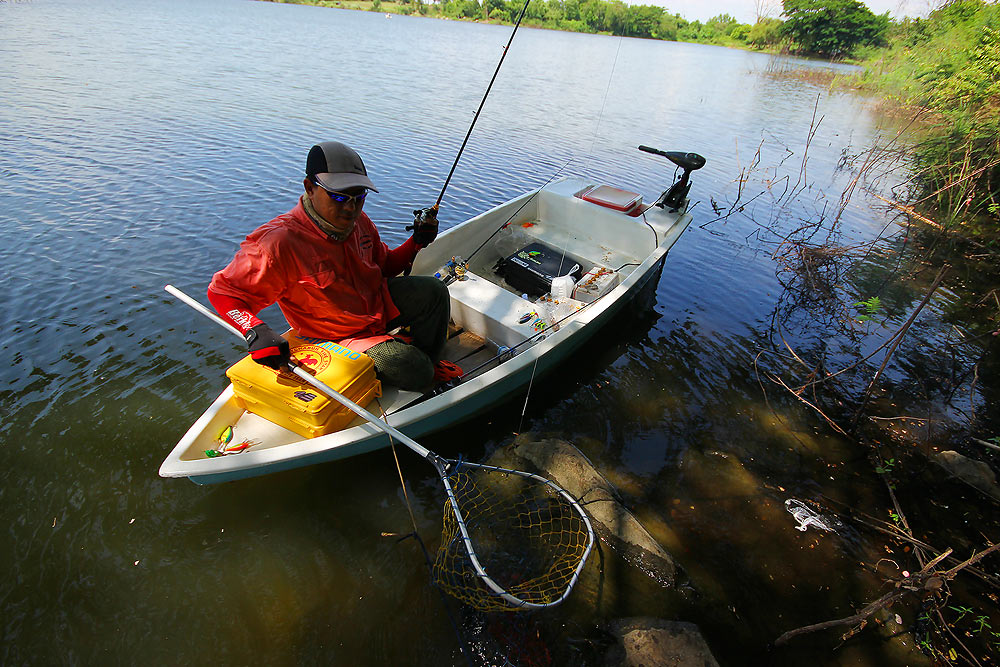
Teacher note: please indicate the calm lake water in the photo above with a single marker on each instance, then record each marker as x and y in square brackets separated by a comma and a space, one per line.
[139, 143]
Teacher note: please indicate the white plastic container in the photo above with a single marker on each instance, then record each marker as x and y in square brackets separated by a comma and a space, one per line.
[562, 287]
[565, 307]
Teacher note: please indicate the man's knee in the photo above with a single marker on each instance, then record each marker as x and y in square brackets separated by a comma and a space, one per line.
[402, 365]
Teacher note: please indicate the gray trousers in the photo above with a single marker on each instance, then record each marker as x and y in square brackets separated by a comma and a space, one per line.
[424, 309]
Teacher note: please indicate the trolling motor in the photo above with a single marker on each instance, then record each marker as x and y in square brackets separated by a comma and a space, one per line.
[674, 197]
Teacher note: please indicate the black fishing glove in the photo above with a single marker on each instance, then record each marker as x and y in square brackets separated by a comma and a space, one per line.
[425, 226]
[267, 347]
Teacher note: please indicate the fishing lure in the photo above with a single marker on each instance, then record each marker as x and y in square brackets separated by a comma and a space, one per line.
[225, 449]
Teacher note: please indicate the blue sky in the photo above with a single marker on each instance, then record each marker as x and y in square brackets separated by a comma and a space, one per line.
[745, 10]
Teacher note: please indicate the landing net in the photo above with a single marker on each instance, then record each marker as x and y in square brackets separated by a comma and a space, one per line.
[516, 540]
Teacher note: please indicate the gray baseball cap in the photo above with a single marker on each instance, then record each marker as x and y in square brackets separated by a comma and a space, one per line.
[335, 166]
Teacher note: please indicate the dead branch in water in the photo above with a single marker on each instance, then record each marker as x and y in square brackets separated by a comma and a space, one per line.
[908, 210]
[898, 339]
[927, 580]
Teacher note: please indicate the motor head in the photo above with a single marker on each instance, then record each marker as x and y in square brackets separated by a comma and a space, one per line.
[675, 197]
[686, 161]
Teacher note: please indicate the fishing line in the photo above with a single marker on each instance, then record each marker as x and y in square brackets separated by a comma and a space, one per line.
[607, 90]
[514, 214]
[482, 103]
[462, 644]
[520, 424]
[507, 352]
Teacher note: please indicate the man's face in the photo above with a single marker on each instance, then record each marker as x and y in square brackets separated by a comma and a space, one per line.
[339, 213]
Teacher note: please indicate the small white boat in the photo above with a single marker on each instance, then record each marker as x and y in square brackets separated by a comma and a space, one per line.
[502, 336]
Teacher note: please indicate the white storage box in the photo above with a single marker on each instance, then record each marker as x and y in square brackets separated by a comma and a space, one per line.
[595, 283]
[491, 311]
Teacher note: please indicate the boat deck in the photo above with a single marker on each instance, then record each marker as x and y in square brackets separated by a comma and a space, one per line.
[470, 352]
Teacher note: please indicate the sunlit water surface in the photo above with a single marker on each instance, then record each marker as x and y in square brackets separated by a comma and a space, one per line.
[140, 141]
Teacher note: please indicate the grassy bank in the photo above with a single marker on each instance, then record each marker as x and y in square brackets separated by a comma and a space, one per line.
[949, 66]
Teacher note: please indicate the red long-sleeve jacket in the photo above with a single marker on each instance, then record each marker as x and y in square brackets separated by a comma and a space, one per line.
[334, 290]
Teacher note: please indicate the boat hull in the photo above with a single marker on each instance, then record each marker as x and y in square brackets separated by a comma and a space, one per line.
[470, 398]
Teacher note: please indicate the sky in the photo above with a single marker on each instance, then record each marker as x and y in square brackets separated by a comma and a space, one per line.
[745, 10]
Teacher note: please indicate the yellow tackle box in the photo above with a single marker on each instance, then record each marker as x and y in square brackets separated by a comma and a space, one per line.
[284, 399]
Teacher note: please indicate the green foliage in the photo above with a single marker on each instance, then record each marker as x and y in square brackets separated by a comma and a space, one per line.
[668, 27]
[766, 32]
[949, 64]
[886, 467]
[870, 308]
[614, 17]
[833, 28]
[982, 622]
[457, 9]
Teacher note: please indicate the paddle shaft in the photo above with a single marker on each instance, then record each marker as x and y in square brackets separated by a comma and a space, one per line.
[321, 386]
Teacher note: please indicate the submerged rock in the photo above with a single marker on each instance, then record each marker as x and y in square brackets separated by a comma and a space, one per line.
[975, 473]
[568, 467]
[655, 641]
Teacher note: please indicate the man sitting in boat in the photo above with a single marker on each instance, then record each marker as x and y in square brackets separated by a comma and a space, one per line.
[325, 266]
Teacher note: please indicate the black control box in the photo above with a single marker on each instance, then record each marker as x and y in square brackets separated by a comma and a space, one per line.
[532, 268]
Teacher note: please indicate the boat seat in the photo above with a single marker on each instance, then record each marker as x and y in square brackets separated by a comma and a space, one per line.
[490, 311]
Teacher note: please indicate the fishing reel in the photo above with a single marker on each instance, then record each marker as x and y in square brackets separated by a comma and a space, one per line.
[673, 198]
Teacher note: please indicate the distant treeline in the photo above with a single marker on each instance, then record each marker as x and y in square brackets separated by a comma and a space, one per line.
[830, 28]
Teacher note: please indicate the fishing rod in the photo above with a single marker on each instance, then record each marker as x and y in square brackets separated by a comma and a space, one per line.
[514, 214]
[426, 218]
[506, 48]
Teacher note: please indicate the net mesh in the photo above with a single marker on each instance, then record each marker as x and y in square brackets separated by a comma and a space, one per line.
[528, 538]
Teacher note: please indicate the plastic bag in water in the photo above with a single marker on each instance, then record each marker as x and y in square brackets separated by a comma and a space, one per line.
[806, 516]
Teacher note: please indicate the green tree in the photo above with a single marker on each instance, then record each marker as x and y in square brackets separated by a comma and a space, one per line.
[723, 23]
[668, 27]
[592, 13]
[690, 32]
[765, 32]
[497, 9]
[833, 28]
[571, 10]
[740, 33]
[647, 19]
[535, 12]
